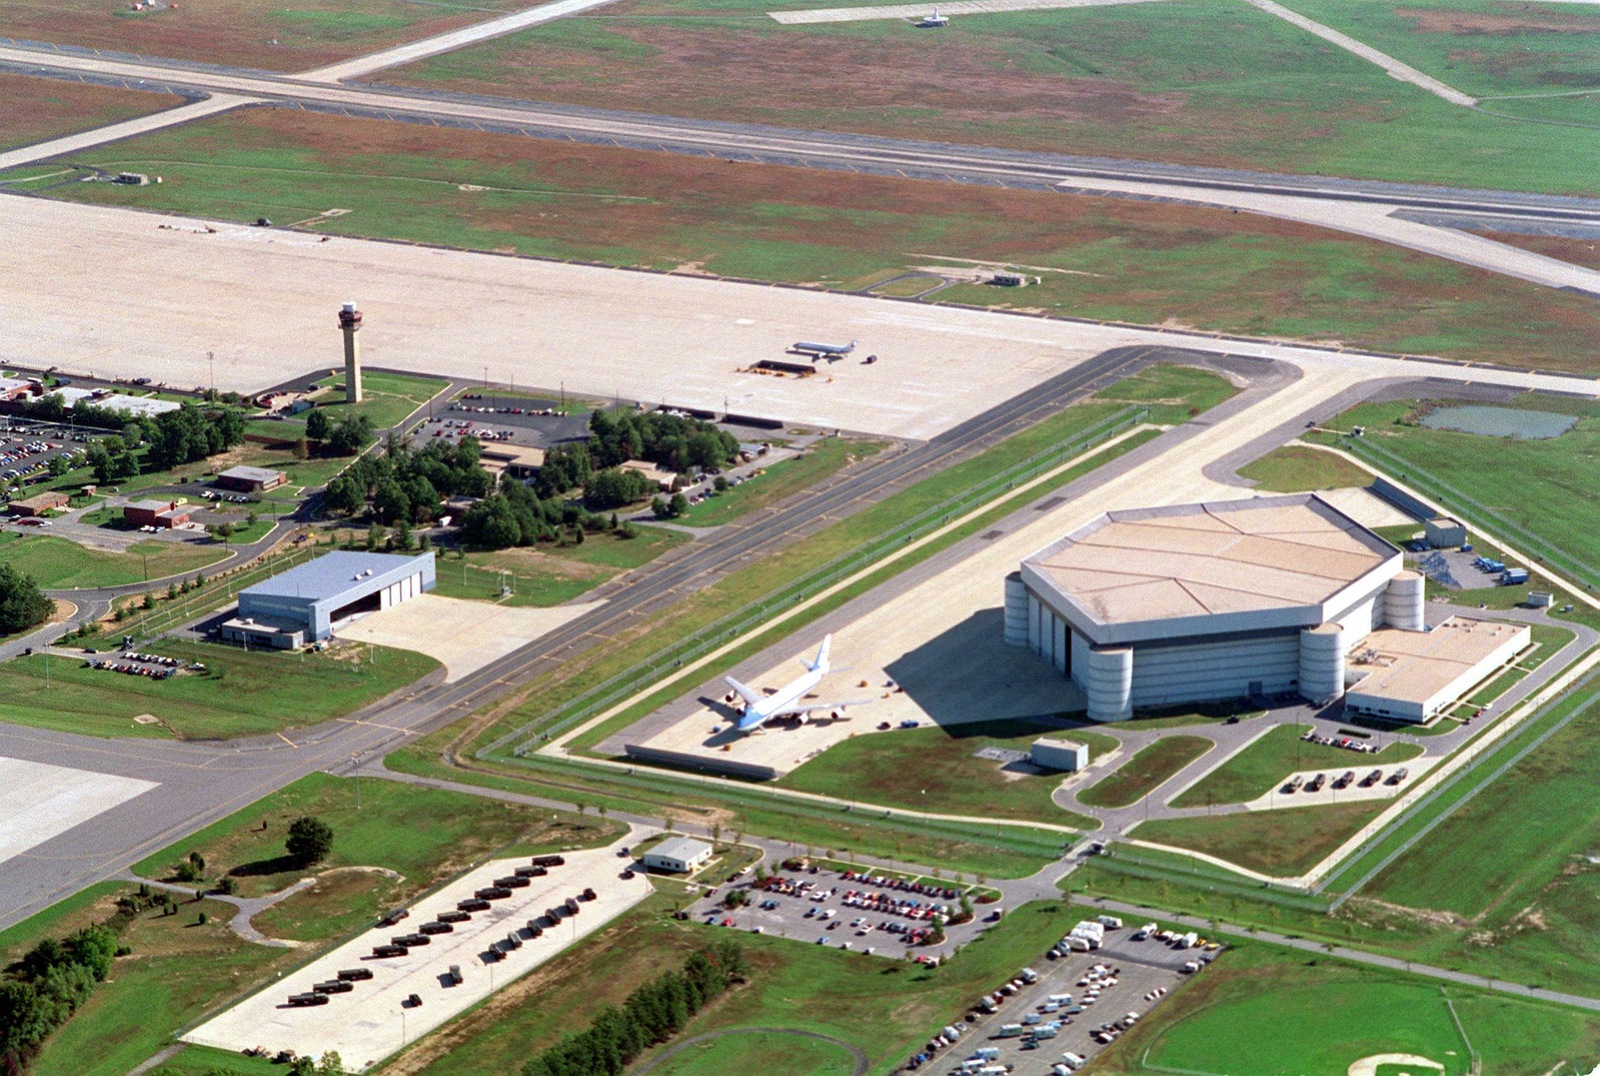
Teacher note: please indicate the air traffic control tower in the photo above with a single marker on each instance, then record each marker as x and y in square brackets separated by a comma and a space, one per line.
[350, 324]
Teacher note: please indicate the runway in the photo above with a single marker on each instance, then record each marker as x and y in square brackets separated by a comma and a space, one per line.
[835, 151]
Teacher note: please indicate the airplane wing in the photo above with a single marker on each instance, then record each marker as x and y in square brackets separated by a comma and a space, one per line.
[750, 695]
[837, 704]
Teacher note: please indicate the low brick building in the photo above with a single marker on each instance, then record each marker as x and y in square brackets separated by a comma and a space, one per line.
[251, 479]
[163, 515]
[38, 504]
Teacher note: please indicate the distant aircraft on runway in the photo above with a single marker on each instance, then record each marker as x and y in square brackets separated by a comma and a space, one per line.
[787, 700]
[824, 351]
[935, 19]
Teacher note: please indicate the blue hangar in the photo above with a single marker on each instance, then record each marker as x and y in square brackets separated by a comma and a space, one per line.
[306, 604]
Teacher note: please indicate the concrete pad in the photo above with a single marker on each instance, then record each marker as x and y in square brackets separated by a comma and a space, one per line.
[366, 1025]
[917, 11]
[464, 635]
[42, 801]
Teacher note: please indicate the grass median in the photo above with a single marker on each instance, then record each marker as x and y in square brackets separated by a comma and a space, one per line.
[1271, 758]
[1145, 771]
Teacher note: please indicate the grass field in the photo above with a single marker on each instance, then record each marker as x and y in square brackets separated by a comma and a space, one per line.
[550, 575]
[60, 564]
[1320, 1015]
[934, 769]
[1211, 82]
[1107, 258]
[883, 1007]
[1145, 771]
[1296, 468]
[1281, 844]
[781, 480]
[1535, 493]
[1259, 768]
[386, 398]
[280, 36]
[180, 969]
[240, 694]
[38, 109]
[761, 1051]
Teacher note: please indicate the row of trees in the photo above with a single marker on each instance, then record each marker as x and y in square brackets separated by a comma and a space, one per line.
[170, 439]
[409, 485]
[519, 516]
[652, 1014]
[675, 442]
[50, 983]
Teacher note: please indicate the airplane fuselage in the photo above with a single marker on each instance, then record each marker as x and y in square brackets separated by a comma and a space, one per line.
[758, 713]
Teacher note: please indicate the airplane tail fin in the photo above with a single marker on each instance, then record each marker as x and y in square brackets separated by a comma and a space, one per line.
[746, 693]
[820, 663]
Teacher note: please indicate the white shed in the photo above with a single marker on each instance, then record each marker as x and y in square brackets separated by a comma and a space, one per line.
[680, 855]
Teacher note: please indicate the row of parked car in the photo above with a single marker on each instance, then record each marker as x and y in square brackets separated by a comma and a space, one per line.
[1344, 780]
[1349, 743]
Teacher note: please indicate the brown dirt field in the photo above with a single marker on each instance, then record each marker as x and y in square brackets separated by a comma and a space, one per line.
[1577, 251]
[279, 36]
[38, 109]
[1434, 21]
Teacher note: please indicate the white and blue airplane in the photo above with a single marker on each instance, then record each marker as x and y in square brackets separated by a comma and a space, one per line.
[787, 701]
[824, 351]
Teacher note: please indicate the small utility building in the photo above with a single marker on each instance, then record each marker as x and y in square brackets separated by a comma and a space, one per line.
[1445, 533]
[679, 855]
[307, 603]
[1052, 754]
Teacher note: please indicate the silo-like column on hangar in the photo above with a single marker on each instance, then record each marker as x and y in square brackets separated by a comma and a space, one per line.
[1016, 611]
[1109, 683]
[1322, 651]
[1402, 602]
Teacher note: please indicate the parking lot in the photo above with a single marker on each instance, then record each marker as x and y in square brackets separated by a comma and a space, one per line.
[26, 449]
[882, 915]
[411, 989]
[1073, 1007]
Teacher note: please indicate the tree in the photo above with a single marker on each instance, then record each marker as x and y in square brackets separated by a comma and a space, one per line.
[350, 436]
[390, 502]
[614, 487]
[310, 840]
[678, 505]
[22, 604]
[331, 1064]
[344, 495]
[317, 425]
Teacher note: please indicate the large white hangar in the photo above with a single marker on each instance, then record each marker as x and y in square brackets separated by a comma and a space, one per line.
[1204, 602]
[308, 602]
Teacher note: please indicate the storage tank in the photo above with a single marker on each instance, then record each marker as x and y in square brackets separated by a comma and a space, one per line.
[1016, 616]
[1322, 651]
[1402, 602]
[1109, 683]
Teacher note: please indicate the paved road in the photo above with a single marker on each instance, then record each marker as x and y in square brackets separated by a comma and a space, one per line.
[1361, 207]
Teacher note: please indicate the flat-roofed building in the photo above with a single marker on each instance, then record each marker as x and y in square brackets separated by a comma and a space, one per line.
[678, 855]
[514, 461]
[318, 596]
[163, 515]
[251, 479]
[1204, 602]
[1054, 754]
[105, 399]
[663, 479]
[1445, 533]
[38, 504]
[1413, 676]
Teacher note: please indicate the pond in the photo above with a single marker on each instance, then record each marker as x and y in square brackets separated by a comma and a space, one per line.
[1500, 422]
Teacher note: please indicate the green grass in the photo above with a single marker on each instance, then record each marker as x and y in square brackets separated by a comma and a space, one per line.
[240, 694]
[61, 564]
[1259, 768]
[782, 479]
[1099, 258]
[1281, 844]
[1535, 494]
[549, 575]
[1210, 82]
[1295, 468]
[934, 769]
[1145, 771]
[761, 1051]
[386, 398]
[884, 1007]
[1320, 1015]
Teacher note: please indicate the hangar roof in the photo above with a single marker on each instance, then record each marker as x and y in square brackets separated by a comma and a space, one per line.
[1244, 556]
[329, 575]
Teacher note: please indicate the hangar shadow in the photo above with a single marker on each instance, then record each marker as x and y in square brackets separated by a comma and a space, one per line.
[968, 674]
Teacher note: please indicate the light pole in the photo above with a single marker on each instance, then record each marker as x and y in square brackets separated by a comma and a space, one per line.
[211, 359]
